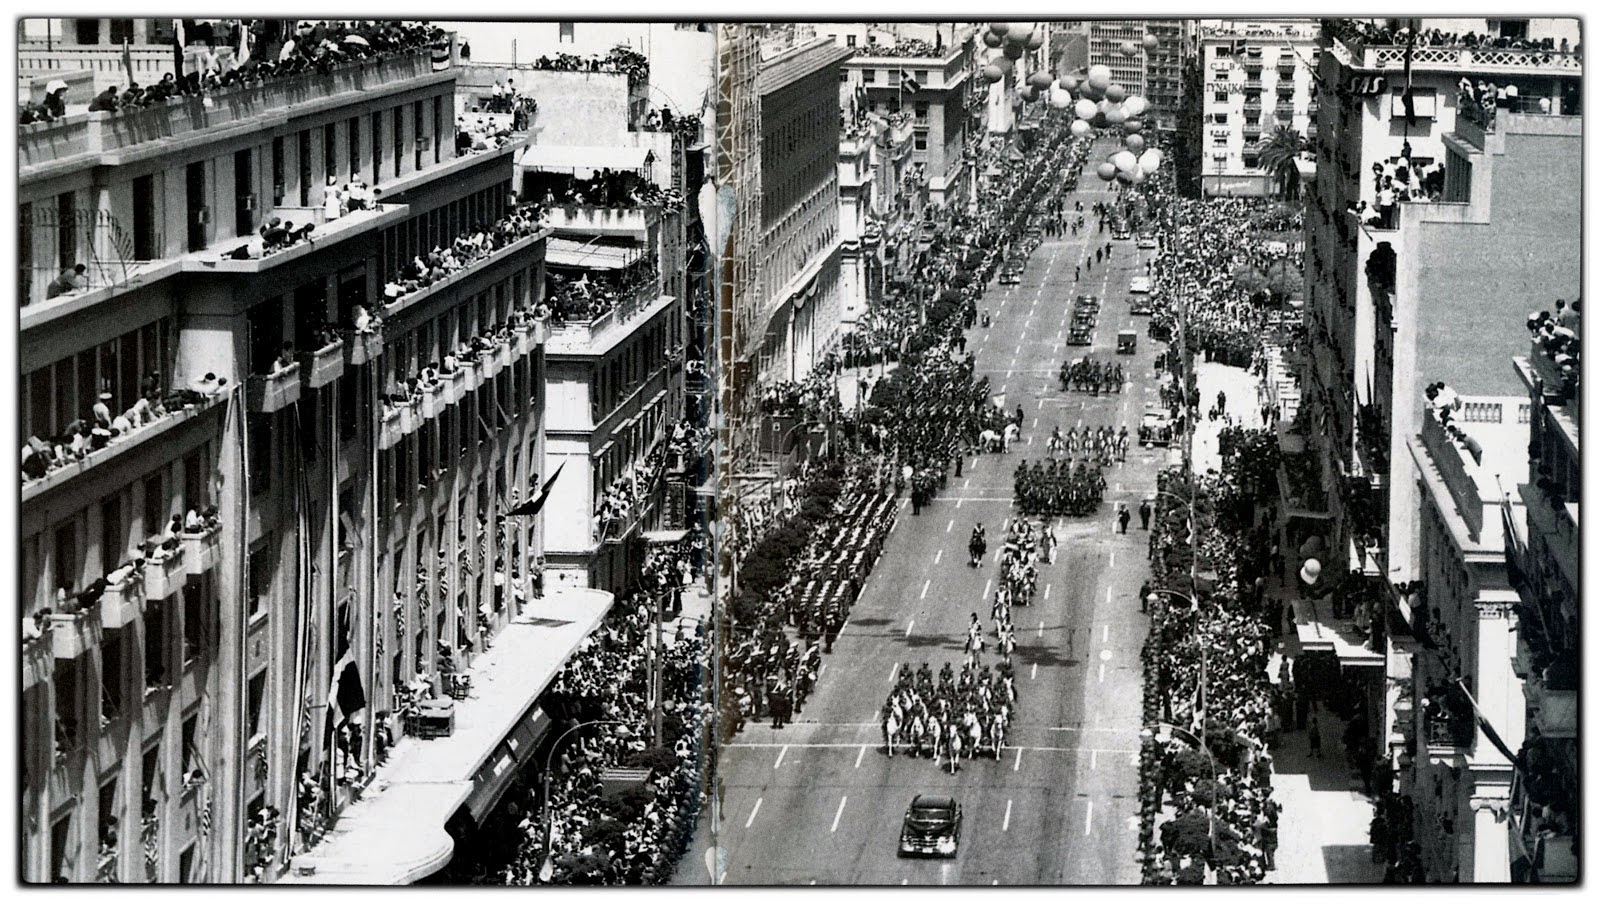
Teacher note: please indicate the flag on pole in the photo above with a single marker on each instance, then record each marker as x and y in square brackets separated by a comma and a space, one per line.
[244, 45]
[1407, 98]
[347, 700]
[127, 59]
[908, 82]
[179, 42]
[532, 506]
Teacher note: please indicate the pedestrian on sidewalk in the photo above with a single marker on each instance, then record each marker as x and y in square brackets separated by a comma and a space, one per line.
[1314, 738]
[1123, 518]
[1144, 596]
[1144, 515]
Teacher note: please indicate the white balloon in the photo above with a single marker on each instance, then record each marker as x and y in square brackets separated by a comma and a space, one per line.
[1059, 99]
[1135, 105]
[1116, 94]
[1137, 176]
[1116, 115]
[1100, 76]
[1150, 160]
[1080, 127]
[1125, 161]
[1135, 143]
[1084, 108]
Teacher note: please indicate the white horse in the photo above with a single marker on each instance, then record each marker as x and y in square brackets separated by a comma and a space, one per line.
[1012, 433]
[990, 441]
[891, 730]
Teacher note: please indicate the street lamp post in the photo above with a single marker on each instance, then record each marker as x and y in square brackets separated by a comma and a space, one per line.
[1211, 812]
[546, 866]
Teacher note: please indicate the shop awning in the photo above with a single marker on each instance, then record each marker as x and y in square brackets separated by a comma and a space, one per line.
[590, 255]
[583, 161]
[395, 834]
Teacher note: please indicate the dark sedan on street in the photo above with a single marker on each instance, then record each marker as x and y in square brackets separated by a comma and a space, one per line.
[932, 827]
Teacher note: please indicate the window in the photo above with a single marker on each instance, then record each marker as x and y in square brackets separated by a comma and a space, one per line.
[398, 131]
[260, 579]
[195, 195]
[259, 455]
[438, 127]
[144, 219]
[195, 627]
[566, 35]
[1220, 119]
[278, 176]
[921, 143]
[113, 668]
[121, 31]
[155, 645]
[88, 30]
[377, 147]
[1251, 161]
[1219, 140]
[849, 40]
[113, 534]
[66, 556]
[1220, 97]
[869, 76]
[303, 145]
[67, 229]
[417, 133]
[244, 194]
[257, 702]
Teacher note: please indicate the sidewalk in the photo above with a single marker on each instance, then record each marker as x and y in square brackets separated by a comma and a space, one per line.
[1322, 831]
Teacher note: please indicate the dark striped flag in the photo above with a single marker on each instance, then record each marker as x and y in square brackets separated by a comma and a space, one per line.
[441, 56]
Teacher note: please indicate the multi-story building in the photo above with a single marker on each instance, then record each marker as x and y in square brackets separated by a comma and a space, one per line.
[1154, 73]
[1544, 806]
[622, 291]
[1406, 296]
[1463, 639]
[251, 606]
[799, 247]
[1259, 77]
[928, 77]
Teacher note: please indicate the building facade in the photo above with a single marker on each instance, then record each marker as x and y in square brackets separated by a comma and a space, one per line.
[1154, 73]
[1259, 77]
[1401, 296]
[244, 598]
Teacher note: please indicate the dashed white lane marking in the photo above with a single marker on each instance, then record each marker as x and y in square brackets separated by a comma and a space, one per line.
[1108, 595]
[1094, 757]
[1047, 592]
[823, 669]
[1006, 826]
[1002, 388]
[1018, 765]
[927, 584]
[968, 482]
[894, 673]
[958, 503]
[1088, 818]
[860, 756]
[986, 583]
[1011, 371]
[1113, 563]
[1105, 634]
[1102, 672]
[936, 557]
[753, 812]
[1036, 422]
[782, 753]
[1030, 439]
[1041, 628]
[839, 813]
[908, 627]
[1035, 673]
[950, 527]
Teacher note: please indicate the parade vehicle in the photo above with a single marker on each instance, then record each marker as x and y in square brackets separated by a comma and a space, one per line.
[1080, 336]
[1155, 429]
[1147, 241]
[1084, 318]
[932, 827]
[1087, 301]
[1140, 284]
[1120, 233]
[1010, 275]
[1142, 305]
[1127, 342]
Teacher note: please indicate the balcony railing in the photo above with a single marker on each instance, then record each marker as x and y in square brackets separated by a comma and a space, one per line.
[1495, 60]
[121, 603]
[323, 366]
[32, 489]
[202, 549]
[274, 392]
[106, 135]
[591, 219]
[167, 577]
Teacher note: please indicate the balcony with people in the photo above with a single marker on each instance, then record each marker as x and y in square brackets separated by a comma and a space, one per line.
[1546, 808]
[592, 289]
[319, 63]
[108, 429]
[596, 191]
[1366, 44]
[468, 253]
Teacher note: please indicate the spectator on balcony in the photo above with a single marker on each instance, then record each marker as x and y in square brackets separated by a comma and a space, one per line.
[55, 103]
[285, 359]
[1567, 315]
[70, 280]
[333, 203]
[102, 410]
[105, 101]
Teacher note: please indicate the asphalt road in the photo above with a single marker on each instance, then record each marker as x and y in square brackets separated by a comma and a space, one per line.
[819, 801]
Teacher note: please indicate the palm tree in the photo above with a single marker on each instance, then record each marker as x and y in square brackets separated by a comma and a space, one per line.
[1279, 152]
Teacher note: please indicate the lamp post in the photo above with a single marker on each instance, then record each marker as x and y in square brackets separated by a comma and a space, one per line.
[1204, 656]
[546, 866]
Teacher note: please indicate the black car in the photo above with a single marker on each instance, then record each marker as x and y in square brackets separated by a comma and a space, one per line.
[1091, 302]
[1080, 336]
[932, 827]
[1142, 305]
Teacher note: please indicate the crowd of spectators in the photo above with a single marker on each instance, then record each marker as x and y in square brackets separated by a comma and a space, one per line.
[478, 132]
[1367, 32]
[102, 426]
[908, 47]
[423, 270]
[610, 188]
[592, 294]
[1559, 337]
[277, 53]
[619, 59]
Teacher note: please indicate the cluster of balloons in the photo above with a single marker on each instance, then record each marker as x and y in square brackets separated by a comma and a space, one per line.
[1100, 103]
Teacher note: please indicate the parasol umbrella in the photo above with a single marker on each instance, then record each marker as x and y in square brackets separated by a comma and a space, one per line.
[55, 85]
[356, 39]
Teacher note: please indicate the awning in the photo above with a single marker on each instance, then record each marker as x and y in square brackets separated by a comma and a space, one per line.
[590, 255]
[585, 160]
[395, 833]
